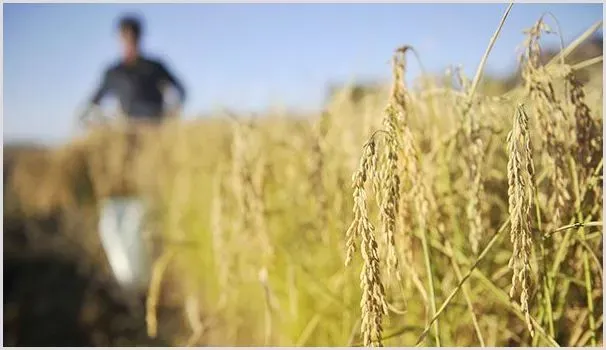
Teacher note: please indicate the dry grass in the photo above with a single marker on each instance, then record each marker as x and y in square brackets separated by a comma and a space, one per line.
[258, 211]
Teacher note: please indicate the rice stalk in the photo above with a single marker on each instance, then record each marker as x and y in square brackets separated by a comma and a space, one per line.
[153, 296]
[520, 172]
[373, 296]
[551, 117]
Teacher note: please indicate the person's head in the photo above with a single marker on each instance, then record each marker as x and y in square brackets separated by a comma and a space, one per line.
[130, 36]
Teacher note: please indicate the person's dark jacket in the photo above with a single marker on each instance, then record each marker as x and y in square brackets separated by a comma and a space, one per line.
[139, 87]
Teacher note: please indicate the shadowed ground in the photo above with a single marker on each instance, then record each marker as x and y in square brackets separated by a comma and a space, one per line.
[57, 287]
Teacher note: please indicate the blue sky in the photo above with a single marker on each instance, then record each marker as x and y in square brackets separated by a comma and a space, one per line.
[247, 56]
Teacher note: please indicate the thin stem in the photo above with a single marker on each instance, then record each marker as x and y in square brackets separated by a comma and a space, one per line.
[559, 32]
[563, 246]
[591, 236]
[587, 63]
[546, 279]
[504, 298]
[500, 294]
[593, 255]
[577, 329]
[584, 254]
[563, 288]
[153, 295]
[573, 226]
[572, 46]
[372, 136]
[417, 56]
[432, 294]
[587, 334]
[463, 280]
[551, 274]
[480, 70]
[474, 319]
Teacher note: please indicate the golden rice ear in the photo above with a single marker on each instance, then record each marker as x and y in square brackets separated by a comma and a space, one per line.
[549, 111]
[520, 193]
[389, 188]
[360, 212]
[373, 304]
[384, 173]
[588, 133]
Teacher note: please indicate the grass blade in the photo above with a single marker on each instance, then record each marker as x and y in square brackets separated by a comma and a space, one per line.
[463, 280]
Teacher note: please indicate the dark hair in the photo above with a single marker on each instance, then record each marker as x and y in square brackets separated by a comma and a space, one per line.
[132, 24]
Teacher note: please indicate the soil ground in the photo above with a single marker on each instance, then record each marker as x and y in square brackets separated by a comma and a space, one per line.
[58, 290]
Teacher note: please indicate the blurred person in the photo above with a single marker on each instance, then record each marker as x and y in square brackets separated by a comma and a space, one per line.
[139, 83]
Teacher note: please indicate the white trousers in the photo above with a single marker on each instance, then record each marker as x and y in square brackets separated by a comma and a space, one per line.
[121, 232]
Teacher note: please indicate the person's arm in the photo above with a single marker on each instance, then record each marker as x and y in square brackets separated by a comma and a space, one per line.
[167, 76]
[102, 90]
[94, 102]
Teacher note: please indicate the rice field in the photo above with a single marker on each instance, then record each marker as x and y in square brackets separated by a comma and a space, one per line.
[435, 214]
